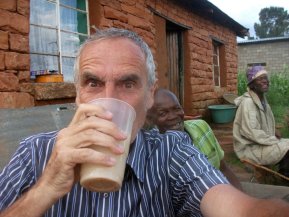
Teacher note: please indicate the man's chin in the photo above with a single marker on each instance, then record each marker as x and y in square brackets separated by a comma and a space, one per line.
[178, 128]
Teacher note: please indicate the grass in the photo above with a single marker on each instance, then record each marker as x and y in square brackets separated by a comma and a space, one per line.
[277, 96]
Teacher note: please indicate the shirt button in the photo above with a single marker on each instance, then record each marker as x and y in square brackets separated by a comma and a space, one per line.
[105, 195]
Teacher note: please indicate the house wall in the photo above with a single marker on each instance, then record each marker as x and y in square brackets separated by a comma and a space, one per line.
[275, 54]
[134, 15]
[140, 17]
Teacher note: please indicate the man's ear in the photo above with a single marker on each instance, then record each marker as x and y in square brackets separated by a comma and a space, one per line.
[150, 97]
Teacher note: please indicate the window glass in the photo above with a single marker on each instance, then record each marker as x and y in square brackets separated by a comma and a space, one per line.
[41, 63]
[67, 68]
[69, 44]
[82, 38]
[43, 13]
[43, 40]
[79, 4]
[216, 66]
[72, 20]
[217, 75]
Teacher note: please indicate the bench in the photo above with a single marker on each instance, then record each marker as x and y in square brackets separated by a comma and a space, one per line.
[265, 174]
[16, 124]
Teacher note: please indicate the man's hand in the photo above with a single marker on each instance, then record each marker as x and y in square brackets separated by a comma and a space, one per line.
[91, 125]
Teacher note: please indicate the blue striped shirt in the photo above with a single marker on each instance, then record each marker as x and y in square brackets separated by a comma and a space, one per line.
[165, 176]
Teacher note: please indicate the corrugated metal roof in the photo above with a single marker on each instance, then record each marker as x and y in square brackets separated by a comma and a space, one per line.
[208, 10]
[264, 40]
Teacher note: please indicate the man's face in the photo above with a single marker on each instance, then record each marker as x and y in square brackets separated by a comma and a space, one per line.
[115, 68]
[261, 84]
[168, 114]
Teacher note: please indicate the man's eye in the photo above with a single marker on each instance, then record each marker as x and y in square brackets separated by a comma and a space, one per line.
[129, 84]
[162, 114]
[177, 109]
[93, 83]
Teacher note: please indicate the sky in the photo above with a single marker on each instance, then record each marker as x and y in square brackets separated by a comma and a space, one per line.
[246, 12]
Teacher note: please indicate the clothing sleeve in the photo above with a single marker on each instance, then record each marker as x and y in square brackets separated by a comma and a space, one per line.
[204, 139]
[16, 177]
[250, 126]
[192, 175]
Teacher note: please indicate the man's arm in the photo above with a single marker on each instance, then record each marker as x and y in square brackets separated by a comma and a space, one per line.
[33, 203]
[70, 150]
[230, 175]
[224, 200]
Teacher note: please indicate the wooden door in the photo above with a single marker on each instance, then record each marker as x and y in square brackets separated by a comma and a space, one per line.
[175, 63]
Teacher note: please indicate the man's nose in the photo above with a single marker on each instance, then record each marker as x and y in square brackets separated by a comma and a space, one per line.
[110, 91]
[172, 115]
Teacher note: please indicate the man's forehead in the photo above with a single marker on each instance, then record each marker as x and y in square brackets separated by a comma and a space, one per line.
[109, 42]
[165, 103]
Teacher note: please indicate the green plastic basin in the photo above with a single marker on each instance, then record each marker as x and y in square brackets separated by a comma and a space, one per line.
[222, 113]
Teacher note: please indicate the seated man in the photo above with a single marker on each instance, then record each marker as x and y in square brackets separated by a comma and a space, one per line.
[167, 114]
[254, 132]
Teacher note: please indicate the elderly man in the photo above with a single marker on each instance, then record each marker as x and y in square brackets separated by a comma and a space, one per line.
[254, 125]
[167, 114]
[165, 175]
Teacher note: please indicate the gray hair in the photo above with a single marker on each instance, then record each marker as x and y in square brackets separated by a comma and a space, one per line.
[119, 33]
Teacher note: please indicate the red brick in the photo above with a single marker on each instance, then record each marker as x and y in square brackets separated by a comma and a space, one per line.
[27, 88]
[4, 40]
[2, 63]
[133, 10]
[23, 7]
[119, 24]
[9, 5]
[11, 71]
[201, 88]
[17, 61]
[111, 4]
[19, 43]
[106, 22]
[16, 100]
[8, 82]
[138, 22]
[111, 13]
[128, 2]
[23, 76]
[14, 22]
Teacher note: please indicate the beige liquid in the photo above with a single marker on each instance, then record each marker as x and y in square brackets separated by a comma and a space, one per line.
[101, 178]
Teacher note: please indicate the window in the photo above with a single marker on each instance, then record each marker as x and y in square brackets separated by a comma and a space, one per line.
[219, 64]
[57, 28]
[216, 63]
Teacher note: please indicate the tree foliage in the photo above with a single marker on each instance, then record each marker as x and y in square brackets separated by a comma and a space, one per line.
[274, 22]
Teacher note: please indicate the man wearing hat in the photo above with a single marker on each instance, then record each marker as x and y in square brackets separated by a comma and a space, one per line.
[254, 125]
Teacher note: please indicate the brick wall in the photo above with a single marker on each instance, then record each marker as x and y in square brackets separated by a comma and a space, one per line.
[274, 53]
[14, 53]
[139, 16]
[17, 91]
